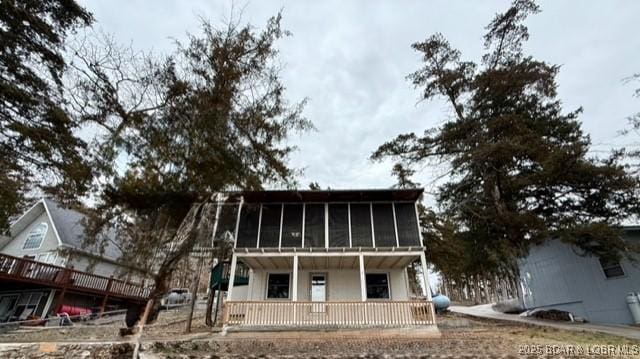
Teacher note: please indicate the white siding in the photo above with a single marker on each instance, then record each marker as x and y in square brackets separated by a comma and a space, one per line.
[49, 249]
[49, 243]
[554, 276]
[342, 285]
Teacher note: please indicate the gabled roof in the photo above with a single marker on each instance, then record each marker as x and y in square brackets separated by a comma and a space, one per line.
[68, 226]
[345, 195]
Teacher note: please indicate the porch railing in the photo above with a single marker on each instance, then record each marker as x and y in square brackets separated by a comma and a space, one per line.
[30, 271]
[328, 314]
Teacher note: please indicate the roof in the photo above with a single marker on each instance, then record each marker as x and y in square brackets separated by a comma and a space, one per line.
[350, 195]
[68, 225]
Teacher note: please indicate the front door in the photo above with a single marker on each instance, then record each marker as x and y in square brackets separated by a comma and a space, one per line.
[318, 292]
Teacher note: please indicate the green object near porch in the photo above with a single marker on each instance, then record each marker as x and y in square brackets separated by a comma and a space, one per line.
[220, 274]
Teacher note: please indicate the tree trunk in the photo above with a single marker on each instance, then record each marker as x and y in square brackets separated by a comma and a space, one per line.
[207, 316]
[194, 296]
[141, 323]
[487, 291]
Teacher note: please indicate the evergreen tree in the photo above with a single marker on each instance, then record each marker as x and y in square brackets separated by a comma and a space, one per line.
[520, 169]
[38, 148]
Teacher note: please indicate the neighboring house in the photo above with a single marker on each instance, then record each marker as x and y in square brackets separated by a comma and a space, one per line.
[556, 276]
[327, 259]
[43, 242]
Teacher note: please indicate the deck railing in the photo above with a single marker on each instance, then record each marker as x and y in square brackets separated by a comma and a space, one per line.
[28, 270]
[329, 314]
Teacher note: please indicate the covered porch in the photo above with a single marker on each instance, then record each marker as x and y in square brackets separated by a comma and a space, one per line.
[328, 288]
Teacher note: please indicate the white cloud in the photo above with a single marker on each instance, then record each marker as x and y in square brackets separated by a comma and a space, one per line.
[350, 58]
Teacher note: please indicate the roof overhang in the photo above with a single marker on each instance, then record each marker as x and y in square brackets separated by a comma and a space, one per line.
[355, 195]
[329, 258]
[27, 218]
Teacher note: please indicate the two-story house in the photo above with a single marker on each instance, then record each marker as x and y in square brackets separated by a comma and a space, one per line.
[334, 259]
[45, 267]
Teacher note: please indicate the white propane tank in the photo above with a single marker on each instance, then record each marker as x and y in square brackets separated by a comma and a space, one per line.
[633, 301]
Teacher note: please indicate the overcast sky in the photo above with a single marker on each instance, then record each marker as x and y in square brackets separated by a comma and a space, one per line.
[350, 59]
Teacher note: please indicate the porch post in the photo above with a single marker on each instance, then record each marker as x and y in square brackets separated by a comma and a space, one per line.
[363, 284]
[294, 287]
[425, 276]
[232, 276]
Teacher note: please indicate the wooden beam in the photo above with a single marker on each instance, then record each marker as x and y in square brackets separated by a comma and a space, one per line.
[395, 263]
[363, 284]
[373, 253]
[294, 295]
[425, 275]
[232, 276]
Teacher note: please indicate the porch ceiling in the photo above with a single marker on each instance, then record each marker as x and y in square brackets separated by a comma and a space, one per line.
[328, 262]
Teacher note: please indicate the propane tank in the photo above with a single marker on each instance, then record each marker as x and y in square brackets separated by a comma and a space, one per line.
[633, 301]
[441, 303]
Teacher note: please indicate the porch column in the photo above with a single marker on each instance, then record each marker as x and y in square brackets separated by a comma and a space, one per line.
[232, 276]
[294, 288]
[363, 282]
[425, 276]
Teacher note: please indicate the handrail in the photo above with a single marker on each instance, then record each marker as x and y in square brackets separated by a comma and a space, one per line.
[331, 302]
[52, 275]
[347, 314]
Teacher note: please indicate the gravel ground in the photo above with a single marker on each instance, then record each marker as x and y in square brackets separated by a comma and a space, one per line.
[462, 337]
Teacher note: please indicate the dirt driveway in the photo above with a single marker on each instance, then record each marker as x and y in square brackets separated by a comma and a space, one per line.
[462, 337]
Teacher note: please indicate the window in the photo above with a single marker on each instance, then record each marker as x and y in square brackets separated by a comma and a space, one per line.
[361, 225]
[408, 234]
[292, 226]
[248, 226]
[314, 225]
[611, 269]
[47, 257]
[7, 304]
[35, 237]
[338, 225]
[270, 226]
[28, 304]
[377, 285]
[385, 233]
[278, 286]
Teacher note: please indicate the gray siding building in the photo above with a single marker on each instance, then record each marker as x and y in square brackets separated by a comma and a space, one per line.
[556, 275]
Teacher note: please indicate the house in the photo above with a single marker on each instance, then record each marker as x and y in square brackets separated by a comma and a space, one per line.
[45, 267]
[556, 275]
[332, 259]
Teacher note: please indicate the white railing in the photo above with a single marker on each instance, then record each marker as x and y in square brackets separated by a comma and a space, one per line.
[328, 314]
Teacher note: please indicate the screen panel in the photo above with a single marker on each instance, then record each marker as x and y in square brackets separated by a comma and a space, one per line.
[292, 225]
[314, 225]
[361, 225]
[270, 226]
[383, 227]
[248, 226]
[338, 225]
[408, 230]
[227, 222]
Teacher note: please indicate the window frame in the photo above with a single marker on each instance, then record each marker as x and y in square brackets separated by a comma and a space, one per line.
[266, 293]
[44, 233]
[366, 274]
[610, 266]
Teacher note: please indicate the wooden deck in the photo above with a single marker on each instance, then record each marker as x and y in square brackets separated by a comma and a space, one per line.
[23, 270]
[288, 314]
